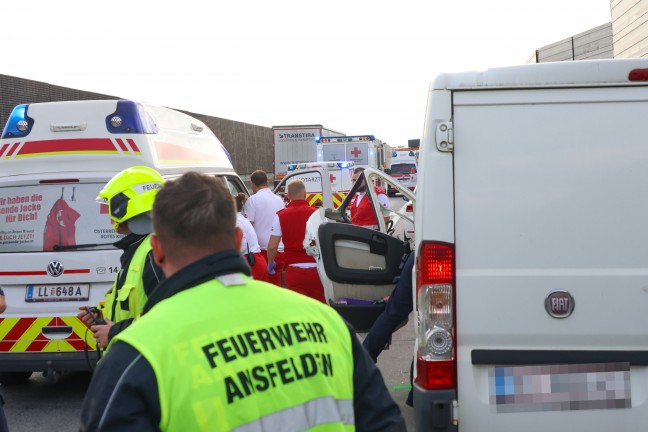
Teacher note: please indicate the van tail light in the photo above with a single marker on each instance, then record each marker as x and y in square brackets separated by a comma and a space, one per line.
[638, 75]
[436, 361]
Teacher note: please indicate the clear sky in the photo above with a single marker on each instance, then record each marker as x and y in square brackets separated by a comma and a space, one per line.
[356, 66]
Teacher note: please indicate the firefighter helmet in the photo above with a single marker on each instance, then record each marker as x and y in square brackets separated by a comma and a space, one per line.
[130, 195]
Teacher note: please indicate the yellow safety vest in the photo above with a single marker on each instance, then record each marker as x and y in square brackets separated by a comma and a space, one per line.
[235, 354]
[132, 291]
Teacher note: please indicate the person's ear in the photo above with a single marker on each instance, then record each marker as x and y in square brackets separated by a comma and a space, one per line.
[158, 252]
[238, 237]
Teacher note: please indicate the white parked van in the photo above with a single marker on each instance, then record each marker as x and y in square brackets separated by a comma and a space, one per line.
[56, 248]
[532, 250]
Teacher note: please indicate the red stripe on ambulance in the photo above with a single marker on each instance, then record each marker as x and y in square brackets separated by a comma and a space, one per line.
[68, 145]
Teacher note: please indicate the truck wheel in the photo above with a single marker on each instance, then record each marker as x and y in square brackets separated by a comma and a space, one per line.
[14, 378]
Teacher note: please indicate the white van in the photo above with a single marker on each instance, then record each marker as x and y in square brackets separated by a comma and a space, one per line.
[532, 250]
[56, 248]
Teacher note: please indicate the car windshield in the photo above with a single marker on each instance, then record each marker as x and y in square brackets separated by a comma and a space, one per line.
[403, 168]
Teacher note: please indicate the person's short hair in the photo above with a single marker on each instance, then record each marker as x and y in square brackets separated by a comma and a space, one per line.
[296, 189]
[193, 212]
[358, 170]
[259, 178]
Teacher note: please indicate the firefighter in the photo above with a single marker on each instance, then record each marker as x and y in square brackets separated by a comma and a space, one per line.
[218, 350]
[290, 226]
[129, 196]
[362, 212]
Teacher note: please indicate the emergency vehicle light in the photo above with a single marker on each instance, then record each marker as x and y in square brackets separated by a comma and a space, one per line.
[130, 118]
[19, 123]
[292, 167]
[343, 164]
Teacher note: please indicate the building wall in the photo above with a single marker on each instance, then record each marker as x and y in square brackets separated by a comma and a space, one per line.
[630, 25]
[250, 146]
[596, 43]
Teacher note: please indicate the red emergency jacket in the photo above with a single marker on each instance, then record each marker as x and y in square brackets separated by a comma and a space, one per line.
[60, 226]
[293, 230]
[363, 214]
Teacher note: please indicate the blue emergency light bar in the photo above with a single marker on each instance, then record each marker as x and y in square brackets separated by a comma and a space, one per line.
[395, 153]
[130, 118]
[343, 139]
[19, 124]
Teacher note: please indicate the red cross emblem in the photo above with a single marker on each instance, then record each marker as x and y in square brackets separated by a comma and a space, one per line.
[356, 152]
[332, 178]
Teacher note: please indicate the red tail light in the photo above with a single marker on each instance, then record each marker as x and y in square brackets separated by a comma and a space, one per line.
[435, 287]
[638, 75]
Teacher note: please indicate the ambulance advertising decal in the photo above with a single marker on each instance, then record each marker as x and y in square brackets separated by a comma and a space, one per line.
[52, 217]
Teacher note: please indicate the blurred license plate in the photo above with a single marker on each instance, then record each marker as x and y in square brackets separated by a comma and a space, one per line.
[44, 293]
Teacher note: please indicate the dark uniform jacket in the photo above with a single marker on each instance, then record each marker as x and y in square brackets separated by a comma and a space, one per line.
[123, 393]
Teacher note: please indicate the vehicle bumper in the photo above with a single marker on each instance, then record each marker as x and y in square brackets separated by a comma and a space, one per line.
[44, 361]
[433, 410]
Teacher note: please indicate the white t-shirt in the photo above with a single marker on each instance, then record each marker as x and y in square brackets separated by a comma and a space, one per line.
[249, 236]
[276, 231]
[260, 209]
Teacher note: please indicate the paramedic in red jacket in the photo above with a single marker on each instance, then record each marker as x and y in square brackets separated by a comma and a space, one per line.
[290, 226]
[362, 213]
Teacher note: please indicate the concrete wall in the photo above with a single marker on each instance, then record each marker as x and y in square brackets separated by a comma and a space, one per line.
[595, 43]
[250, 146]
[630, 25]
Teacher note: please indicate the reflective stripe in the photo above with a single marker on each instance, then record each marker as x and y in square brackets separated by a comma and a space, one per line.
[303, 417]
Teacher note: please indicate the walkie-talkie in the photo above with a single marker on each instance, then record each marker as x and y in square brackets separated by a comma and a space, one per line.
[95, 315]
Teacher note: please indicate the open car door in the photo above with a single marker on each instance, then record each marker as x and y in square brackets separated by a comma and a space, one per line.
[358, 266]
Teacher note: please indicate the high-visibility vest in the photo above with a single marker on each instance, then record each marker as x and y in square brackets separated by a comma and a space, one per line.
[132, 291]
[238, 354]
[293, 230]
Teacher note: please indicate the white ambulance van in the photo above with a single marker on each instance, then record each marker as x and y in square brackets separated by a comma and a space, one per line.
[403, 168]
[532, 250]
[56, 250]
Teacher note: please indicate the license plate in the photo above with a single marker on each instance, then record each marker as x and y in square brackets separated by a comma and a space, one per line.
[560, 387]
[45, 293]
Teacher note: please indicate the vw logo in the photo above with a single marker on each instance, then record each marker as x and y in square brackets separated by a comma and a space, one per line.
[55, 268]
[559, 304]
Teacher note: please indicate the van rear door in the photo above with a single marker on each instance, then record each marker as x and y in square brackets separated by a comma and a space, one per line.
[551, 235]
[50, 235]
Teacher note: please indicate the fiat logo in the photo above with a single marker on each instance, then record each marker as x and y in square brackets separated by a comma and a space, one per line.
[559, 304]
[55, 269]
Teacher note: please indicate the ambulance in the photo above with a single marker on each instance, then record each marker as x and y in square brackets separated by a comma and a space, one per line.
[327, 183]
[403, 168]
[56, 241]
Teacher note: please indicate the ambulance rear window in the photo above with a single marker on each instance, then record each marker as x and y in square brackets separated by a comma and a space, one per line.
[403, 168]
[54, 217]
